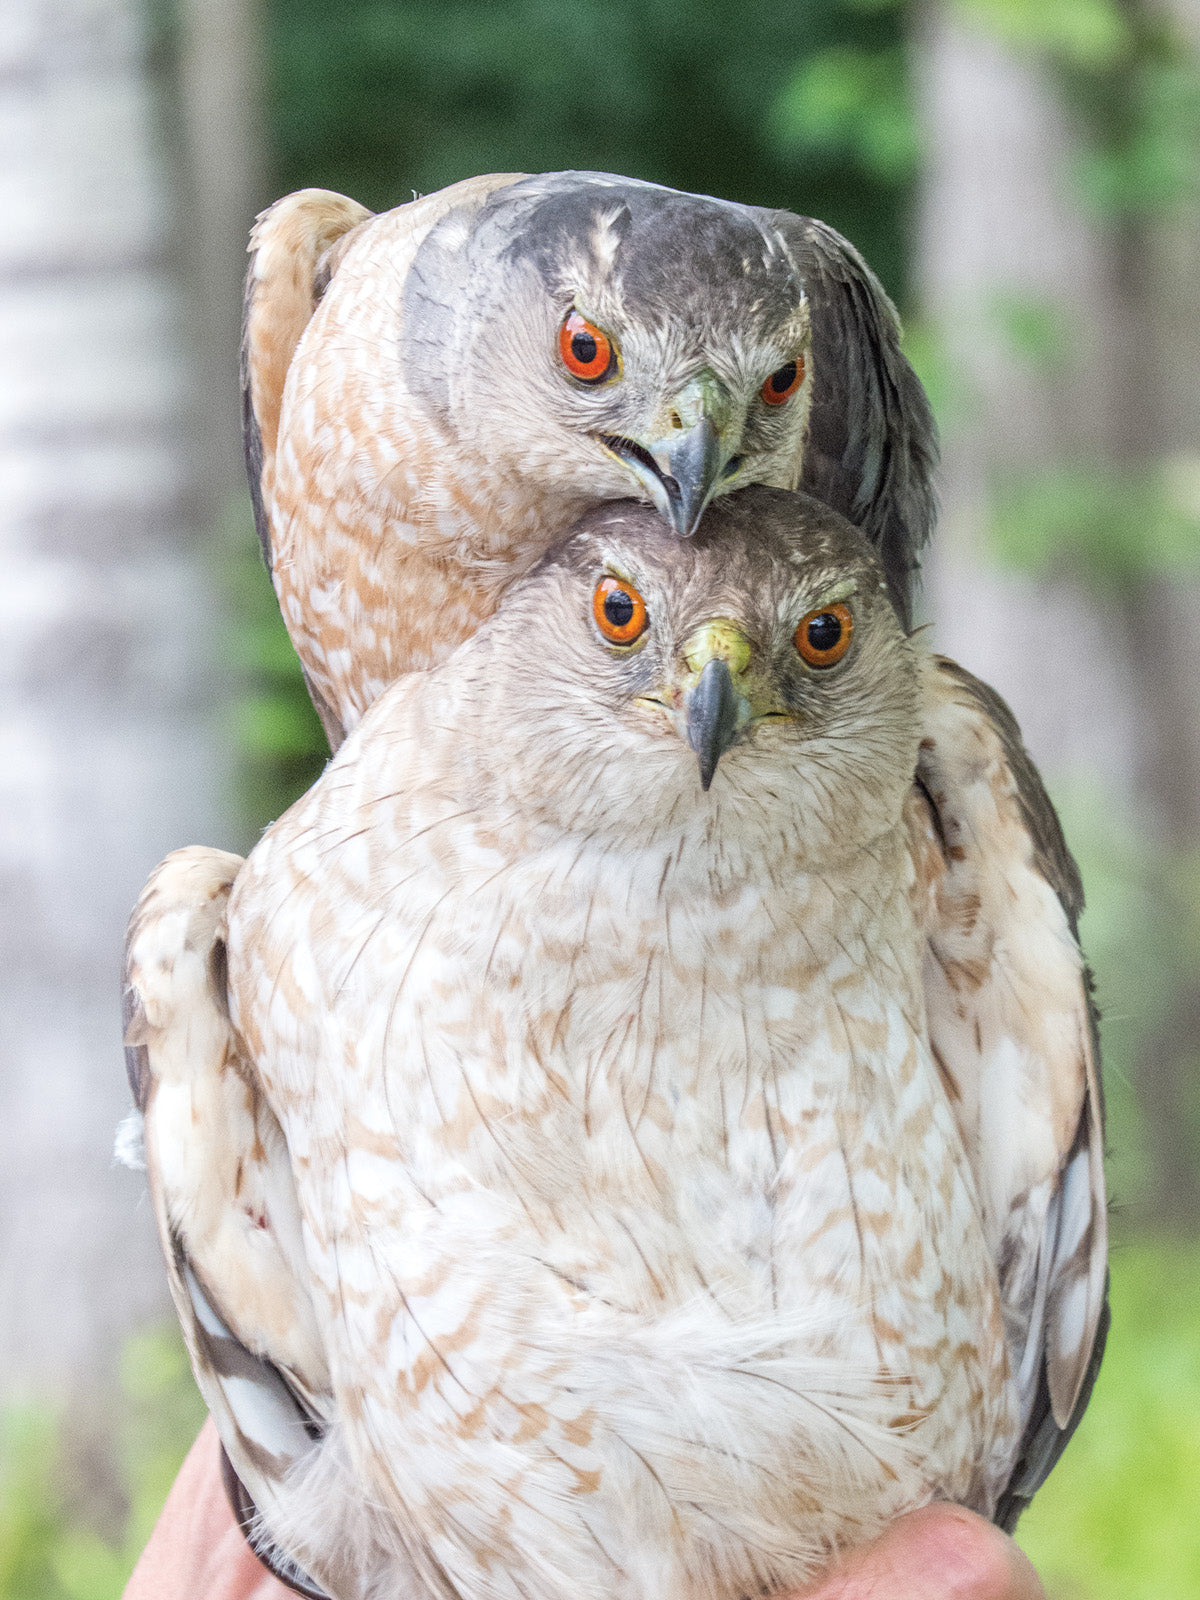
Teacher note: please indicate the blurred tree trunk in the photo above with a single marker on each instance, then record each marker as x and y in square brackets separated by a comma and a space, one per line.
[219, 180]
[1113, 375]
[113, 750]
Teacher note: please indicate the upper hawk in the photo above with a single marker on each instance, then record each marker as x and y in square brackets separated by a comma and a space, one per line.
[432, 396]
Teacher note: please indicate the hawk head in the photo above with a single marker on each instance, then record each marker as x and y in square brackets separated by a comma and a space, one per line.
[608, 337]
[751, 686]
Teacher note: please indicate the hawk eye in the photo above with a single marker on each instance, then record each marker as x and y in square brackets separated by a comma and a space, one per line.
[619, 610]
[782, 385]
[823, 636]
[587, 353]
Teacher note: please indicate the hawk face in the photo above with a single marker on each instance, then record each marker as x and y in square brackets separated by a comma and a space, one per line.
[605, 338]
[751, 688]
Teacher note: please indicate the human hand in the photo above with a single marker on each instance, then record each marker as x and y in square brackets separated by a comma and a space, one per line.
[942, 1552]
[197, 1551]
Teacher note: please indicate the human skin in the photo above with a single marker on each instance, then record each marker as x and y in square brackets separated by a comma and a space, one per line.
[941, 1552]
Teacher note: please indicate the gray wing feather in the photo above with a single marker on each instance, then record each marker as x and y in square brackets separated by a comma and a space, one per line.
[1044, 1441]
[252, 446]
[871, 449]
[273, 1422]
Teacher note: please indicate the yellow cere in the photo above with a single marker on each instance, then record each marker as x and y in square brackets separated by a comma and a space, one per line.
[718, 640]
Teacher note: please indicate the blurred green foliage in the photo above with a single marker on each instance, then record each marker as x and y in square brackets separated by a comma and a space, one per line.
[1140, 926]
[1109, 524]
[802, 105]
[1113, 525]
[1116, 1521]
[845, 103]
[1087, 35]
[50, 1548]
[1035, 329]
[278, 737]
[1134, 80]
[1143, 109]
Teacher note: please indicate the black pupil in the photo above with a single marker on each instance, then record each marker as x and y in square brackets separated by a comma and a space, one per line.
[618, 608]
[583, 348]
[825, 631]
[784, 378]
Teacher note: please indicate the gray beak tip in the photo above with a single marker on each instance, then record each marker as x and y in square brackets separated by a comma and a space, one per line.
[696, 462]
[712, 718]
[684, 526]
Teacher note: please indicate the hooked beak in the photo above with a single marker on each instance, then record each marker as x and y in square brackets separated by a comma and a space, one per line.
[682, 468]
[714, 704]
[694, 463]
[712, 717]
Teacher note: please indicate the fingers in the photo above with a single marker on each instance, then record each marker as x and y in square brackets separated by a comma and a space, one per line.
[941, 1552]
[197, 1551]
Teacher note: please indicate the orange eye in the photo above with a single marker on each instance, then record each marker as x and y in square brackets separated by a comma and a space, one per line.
[619, 610]
[587, 353]
[782, 385]
[823, 636]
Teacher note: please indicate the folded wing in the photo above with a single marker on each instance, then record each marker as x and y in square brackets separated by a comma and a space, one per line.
[871, 447]
[294, 249]
[221, 1181]
[1013, 1030]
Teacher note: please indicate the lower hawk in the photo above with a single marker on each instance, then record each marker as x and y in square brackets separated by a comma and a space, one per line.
[634, 1127]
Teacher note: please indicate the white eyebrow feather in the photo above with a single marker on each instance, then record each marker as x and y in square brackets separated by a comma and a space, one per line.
[606, 239]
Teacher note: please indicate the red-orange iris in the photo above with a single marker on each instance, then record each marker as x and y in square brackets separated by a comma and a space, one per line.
[586, 350]
[823, 636]
[783, 383]
[619, 610]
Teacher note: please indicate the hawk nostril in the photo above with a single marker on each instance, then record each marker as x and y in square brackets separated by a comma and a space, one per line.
[676, 420]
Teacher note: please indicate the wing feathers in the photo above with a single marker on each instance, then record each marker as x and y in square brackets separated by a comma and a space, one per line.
[220, 1178]
[872, 446]
[1077, 1294]
[1011, 1015]
[295, 248]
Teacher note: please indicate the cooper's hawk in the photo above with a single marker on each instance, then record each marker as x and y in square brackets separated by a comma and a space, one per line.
[484, 364]
[633, 1127]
